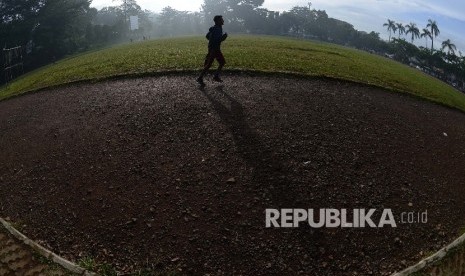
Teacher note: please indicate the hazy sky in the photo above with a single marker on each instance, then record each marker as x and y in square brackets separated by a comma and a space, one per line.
[365, 15]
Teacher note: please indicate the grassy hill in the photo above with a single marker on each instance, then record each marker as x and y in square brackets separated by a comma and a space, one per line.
[251, 53]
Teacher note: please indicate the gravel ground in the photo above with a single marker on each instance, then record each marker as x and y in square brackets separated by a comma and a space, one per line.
[160, 175]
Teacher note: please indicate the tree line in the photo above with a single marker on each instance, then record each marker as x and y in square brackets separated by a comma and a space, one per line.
[51, 29]
[431, 31]
[443, 63]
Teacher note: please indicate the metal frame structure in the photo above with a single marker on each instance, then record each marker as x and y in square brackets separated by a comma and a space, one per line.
[13, 62]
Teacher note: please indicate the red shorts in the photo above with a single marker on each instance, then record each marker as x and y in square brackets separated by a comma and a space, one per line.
[211, 56]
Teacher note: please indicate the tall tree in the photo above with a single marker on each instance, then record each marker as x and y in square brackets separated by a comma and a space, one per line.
[302, 21]
[236, 12]
[426, 33]
[62, 25]
[12, 11]
[394, 29]
[413, 30]
[129, 7]
[49, 29]
[17, 20]
[400, 28]
[391, 25]
[434, 31]
[450, 46]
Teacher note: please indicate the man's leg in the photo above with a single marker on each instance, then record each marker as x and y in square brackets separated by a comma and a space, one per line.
[222, 62]
[207, 64]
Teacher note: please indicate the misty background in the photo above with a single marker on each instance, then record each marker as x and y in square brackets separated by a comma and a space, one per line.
[39, 32]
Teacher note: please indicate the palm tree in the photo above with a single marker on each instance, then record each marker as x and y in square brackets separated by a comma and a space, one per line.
[450, 46]
[391, 25]
[412, 29]
[426, 33]
[400, 28]
[394, 29]
[434, 30]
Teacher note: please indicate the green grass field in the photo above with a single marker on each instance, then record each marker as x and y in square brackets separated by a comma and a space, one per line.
[250, 53]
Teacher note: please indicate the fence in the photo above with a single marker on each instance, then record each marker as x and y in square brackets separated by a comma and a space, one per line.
[13, 62]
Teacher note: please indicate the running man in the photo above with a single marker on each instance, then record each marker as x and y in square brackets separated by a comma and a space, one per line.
[215, 36]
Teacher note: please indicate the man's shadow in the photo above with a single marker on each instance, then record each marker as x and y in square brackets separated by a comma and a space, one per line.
[251, 148]
[280, 190]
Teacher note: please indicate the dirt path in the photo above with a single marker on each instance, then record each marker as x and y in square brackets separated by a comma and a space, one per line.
[156, 174]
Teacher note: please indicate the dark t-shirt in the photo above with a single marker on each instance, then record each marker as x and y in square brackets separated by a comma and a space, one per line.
[215, 37]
